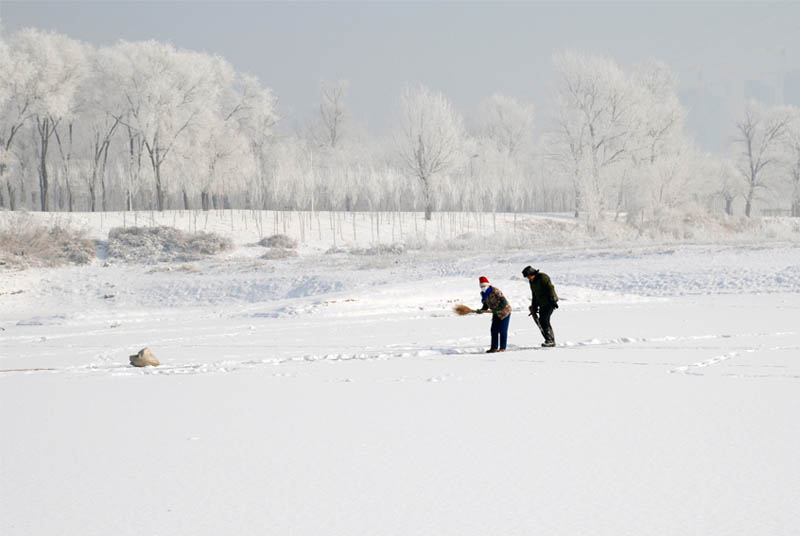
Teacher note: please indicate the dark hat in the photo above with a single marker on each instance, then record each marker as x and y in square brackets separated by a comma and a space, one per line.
[529, 271]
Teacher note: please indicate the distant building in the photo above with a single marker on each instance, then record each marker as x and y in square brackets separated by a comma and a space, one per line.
[759, 91]
[706, 118]
[791, 88]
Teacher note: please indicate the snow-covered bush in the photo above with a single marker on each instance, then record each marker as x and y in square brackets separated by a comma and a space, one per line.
[279, 253]
[694, 225]
[27, 245]
[465, 242]
[163, 244]
[278, 241]
[381, 249]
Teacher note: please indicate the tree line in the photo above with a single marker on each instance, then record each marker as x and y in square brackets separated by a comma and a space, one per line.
[148, 126]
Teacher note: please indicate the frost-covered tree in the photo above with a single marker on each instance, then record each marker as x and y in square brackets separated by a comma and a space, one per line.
[429, 139]
[104, 108]
[596, 110]
[254, 108]
[167, 91]
[330, 126]
[620, 137]
[760, 135]
[507, 122]
[217, 154]
[65, 140]
[662, 119]
[500, 148]
[288, 185]
[660, 152]
[728, 182]
[215, 163]
[14, 112]
[672, 179]
[58, 65]
[138, 103]
[793, 158]
[337, 146]
[6, 64]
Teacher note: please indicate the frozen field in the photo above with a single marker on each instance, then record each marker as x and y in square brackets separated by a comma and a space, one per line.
[339, 394]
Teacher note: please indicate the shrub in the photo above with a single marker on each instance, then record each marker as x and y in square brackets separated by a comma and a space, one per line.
[278, 253]
[380, 249]
[24, 244]
[377, 250]
[163, 244]
[278, 241]
[385, 249]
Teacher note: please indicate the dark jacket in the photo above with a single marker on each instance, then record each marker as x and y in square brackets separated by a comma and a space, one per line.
[494, 301]
[542, 292]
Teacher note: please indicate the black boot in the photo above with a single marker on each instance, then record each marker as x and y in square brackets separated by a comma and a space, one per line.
[549, 337]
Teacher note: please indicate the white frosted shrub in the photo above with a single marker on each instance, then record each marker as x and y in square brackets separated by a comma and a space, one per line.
[278, 241]
[24, 244]
[163, 244]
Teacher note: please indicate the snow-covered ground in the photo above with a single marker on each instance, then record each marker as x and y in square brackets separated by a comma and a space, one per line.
[339, 394]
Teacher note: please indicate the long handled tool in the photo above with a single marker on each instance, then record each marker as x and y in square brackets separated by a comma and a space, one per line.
[535, 317]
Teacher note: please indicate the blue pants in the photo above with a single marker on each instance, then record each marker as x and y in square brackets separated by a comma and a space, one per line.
[500, 331]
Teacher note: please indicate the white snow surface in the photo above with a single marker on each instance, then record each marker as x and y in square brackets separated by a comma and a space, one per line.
[339, 394]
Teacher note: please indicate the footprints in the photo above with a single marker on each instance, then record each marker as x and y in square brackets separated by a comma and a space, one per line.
[689, 369]
[105, 365]
[697, 368]
[461, 352]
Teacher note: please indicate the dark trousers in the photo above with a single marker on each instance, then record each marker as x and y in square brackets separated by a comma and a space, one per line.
[500, 331]
[544, 322]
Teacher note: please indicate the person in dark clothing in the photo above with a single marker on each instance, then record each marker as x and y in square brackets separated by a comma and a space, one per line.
[544, 301]
[494, 302]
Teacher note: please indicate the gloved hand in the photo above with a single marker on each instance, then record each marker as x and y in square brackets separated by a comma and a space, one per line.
[554, 303]
[479, 311]
[533, 309]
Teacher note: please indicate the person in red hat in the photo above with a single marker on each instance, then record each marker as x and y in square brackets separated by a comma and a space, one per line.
[494, 302]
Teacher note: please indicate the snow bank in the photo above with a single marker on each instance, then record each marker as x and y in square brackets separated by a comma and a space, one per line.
[393, 233]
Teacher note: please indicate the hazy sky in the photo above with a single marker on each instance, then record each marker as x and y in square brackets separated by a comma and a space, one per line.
[466, 50]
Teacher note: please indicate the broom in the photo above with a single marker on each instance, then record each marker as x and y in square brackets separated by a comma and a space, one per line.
[462, 310]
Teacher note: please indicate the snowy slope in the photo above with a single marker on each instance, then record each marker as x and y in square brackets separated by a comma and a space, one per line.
[338, 394]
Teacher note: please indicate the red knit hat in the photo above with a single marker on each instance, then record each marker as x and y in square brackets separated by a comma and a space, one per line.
[482, 279]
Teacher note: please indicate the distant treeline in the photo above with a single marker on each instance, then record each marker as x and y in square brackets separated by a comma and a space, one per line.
[144, 125]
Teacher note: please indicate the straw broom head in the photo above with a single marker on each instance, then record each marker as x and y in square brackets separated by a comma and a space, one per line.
[462, 310]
